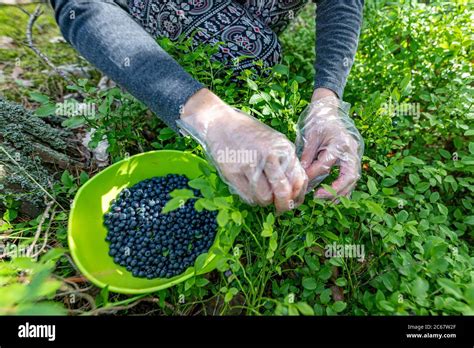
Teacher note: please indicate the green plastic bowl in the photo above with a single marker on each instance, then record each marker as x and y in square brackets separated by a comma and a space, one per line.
[86, 233]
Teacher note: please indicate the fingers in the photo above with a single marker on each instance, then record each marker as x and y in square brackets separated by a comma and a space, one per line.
[241, 185]
[321, 168]
[345, 183]
[261, 188]
[298, 180]
[309, 151]
[282, 190]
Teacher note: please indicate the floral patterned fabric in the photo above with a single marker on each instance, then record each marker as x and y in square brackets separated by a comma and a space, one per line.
[246, 31]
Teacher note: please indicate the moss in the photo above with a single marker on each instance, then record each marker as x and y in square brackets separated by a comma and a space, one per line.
[21, 136]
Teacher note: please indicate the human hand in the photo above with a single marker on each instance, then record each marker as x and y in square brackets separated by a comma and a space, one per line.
[327, 137]
[258, 163]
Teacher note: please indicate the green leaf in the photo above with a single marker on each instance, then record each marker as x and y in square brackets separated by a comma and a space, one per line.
[166, 134]
[419, 288]
[53, 254]
[42, 308]
[309, 240]
[325, 273]
[255, 99]
[200, 262]
[325, 296]
[450, 287]
[223, 217]
[471, 148]
[172, 204]
[207, 204]
[312, 262]
[445, 154]
[422, 186]
[309, 283]
[205, 169]
[304, 308]
[339, 306]
[38, 97]
[402, 216]
[202, 185]
[252, 85]
[201, 282]
[434, 197]
[267, 230]
[221, 202]
[469, 132]
[183, 193]
[387, 182]
[281, 69]
[469, 220]
[73, 122]
[405, 84]
[414, 178]
[46, 110]
[442, 209]
[103, 298]
[270, 219]
[412, 160]
[10, 215]
[375, 208]
[189, 283]
[372, 186]
[237, 217]
[273, 244]
[83, 177]
[330, 235]
[67, 179]
[330, 190]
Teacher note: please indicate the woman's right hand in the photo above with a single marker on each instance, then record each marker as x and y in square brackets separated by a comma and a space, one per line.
[258, 163]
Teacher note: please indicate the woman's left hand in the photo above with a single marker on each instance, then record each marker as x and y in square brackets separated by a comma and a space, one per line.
[327, 137]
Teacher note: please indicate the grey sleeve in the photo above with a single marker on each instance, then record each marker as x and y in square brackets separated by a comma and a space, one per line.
[338, 24]
[109, 38]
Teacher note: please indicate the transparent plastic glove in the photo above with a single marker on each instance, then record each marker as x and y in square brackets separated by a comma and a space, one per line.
[257, 162]
[327, 137]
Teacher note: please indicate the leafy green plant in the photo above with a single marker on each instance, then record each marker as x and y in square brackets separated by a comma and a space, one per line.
[410, 216]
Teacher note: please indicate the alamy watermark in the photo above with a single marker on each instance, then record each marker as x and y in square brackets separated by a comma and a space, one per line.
[242, 156]
[72, 108]
[356, 251]
[11, 250]
[28, 330]
[401, 109]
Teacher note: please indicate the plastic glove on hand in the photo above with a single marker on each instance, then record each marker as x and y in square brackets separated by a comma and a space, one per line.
[257, 162]
[327, 137]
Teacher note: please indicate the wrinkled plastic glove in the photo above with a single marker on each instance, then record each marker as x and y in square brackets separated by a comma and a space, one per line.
[257, 162]
[327, 137]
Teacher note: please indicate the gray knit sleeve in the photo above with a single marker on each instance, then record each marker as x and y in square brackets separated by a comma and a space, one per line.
[108, 37]
[338, 24]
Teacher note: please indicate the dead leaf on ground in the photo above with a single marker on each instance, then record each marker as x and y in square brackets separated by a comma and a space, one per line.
[7, 43]
[17, 72]
[57, 39]
[337, 293]
[16, 76]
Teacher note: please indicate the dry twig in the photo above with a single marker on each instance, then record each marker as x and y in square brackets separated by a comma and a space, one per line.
[40, 225]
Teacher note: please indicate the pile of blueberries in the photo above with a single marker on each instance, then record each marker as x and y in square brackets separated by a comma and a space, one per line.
[150, 244]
